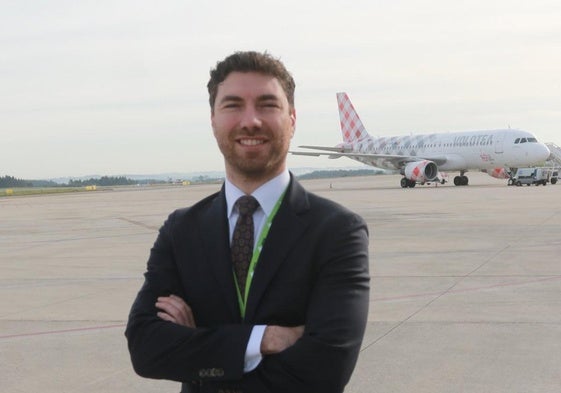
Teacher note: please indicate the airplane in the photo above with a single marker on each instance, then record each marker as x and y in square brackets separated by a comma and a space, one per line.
[423, 158]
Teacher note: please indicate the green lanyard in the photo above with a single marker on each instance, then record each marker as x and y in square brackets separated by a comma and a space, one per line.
[256, 252]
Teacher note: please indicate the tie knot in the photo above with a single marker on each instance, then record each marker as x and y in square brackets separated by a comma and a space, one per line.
[247, 204]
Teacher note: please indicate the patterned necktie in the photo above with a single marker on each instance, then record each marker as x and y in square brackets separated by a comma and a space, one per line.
[242, 239]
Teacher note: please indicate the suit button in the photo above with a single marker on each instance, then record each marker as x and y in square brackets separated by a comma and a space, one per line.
[211, 373]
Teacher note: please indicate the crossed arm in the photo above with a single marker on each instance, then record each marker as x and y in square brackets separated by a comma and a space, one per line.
[275, 339]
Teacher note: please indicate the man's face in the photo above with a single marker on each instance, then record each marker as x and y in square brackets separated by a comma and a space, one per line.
[253, 124]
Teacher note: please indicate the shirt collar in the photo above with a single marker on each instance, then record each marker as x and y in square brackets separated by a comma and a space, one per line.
[267, 194]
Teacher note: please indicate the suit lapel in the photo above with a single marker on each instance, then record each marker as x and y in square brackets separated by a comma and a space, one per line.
[214, 224]
[286, 230]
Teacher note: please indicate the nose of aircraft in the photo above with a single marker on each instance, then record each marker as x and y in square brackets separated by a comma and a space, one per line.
[543, 152]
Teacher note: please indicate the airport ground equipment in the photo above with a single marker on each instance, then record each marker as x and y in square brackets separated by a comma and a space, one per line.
[535, 176]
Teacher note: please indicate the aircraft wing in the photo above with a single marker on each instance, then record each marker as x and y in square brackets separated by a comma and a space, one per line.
[324, 148]
[396, 160]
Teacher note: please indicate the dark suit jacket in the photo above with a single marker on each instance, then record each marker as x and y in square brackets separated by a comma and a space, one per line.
[312, 271]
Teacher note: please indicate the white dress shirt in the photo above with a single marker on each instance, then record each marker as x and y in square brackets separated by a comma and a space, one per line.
[267, 195]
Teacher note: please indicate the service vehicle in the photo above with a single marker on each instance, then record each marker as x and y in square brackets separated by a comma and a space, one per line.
[529, 176]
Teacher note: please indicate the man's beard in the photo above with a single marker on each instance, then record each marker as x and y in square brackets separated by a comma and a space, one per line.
[257, 167]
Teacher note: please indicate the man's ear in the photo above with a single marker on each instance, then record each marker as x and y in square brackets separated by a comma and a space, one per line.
[212, 123]
[293, 119]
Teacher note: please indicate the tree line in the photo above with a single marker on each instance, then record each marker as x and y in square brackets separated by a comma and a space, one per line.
[103, 181]
[12, 182]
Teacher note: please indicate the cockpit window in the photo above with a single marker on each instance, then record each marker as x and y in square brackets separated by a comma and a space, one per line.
[524, 140]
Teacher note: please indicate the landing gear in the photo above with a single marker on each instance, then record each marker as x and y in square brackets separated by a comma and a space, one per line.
[461, 180]
[405, 182]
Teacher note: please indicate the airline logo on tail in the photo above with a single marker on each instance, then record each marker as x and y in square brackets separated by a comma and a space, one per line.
[351, 125]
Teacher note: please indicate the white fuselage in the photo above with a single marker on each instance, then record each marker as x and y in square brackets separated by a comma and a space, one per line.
[455, 151]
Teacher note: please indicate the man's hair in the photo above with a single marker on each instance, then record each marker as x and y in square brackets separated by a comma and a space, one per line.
[250, 61]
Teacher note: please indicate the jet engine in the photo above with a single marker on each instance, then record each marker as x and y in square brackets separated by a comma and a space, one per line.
[421, 171]
[499, 173]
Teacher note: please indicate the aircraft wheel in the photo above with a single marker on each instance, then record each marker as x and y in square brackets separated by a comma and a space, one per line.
[412, 183]
[554, 180]
[457, 181]
[404, 182]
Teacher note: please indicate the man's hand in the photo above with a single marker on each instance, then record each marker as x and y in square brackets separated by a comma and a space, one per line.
[278, 338]
[174, 309]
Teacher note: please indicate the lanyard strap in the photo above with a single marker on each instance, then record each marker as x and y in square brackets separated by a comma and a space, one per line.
[242, 301]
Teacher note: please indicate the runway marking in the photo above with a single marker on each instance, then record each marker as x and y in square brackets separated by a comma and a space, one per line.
[474, 289]
[55, 282]
[38, 243]
[438, 295]
[50, 332]
[140, 224]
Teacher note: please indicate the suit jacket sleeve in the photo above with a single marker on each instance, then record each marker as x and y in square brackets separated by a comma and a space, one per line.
[324, 358]
[164, 350]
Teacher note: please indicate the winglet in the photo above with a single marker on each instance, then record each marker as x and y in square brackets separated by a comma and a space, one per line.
[351, 125]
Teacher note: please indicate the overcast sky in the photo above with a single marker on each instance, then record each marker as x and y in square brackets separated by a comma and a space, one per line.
[114, 87]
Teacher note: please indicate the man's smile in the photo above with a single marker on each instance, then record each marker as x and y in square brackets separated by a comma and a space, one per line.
[251, 142]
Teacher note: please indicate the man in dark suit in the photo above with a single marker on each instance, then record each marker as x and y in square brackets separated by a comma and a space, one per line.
[292, 317]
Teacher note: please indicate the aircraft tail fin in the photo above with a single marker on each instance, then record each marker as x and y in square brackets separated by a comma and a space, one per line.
[351, 125]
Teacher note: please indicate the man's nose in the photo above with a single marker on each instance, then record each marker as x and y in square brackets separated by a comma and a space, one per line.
[250, 118]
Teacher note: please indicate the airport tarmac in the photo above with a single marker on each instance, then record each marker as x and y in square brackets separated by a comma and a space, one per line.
[466, 285]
